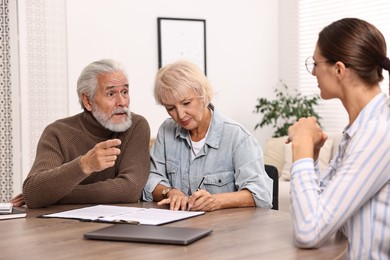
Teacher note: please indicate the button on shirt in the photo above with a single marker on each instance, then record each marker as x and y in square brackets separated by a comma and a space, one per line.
[353, 193]
[230, 160]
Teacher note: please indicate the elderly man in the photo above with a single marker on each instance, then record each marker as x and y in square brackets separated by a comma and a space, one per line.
[98, 156]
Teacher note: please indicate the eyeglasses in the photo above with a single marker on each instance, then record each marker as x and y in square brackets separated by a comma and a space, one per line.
[310, 64]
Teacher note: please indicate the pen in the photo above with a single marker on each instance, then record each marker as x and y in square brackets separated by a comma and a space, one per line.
[200, 184]
[123, 221]
[116, 221]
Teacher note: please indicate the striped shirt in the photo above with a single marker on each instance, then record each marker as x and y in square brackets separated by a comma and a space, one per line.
[353, 193]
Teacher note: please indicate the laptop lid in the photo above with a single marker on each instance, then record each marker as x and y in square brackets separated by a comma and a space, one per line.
[149, 234]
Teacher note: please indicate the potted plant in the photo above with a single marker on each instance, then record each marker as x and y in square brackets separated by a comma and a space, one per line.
[286, 109]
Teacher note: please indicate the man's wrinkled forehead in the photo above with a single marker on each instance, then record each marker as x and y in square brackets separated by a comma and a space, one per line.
[113, 80]
[119, 87]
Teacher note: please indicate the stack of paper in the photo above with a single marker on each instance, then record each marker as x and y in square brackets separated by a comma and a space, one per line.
[7, 211]
[5, 208]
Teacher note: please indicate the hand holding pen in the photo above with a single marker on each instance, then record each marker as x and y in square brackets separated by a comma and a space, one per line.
[200, 199]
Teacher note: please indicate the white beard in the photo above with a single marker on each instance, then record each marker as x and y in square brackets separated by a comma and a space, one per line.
[105, 120]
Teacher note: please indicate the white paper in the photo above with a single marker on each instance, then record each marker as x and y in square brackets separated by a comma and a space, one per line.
[107, 213]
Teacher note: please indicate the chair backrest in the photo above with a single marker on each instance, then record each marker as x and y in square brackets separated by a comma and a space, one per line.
[272, 172]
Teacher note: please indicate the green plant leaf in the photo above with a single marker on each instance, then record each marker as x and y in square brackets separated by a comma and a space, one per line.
[286, 109]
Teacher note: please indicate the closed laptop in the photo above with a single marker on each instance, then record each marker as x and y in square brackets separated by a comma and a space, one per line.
[149, 234]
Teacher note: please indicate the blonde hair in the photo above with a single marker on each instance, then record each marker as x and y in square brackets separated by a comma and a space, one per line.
[173, 81]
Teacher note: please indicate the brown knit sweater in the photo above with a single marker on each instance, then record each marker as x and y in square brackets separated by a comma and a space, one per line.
[56, 176]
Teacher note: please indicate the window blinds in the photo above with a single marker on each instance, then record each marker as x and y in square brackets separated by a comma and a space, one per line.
[311, 16]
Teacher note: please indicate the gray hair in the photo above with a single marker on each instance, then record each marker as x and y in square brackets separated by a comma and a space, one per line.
[88, 79]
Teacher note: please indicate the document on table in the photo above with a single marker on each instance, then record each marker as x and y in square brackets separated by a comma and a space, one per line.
[122, 214]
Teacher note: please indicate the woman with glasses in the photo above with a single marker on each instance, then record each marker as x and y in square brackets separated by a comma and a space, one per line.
[353, 193]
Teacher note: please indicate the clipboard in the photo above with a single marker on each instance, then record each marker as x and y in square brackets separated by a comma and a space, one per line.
[125, 215]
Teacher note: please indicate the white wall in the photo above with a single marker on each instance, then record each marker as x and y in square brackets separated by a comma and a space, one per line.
[242, 58]
[242, 49]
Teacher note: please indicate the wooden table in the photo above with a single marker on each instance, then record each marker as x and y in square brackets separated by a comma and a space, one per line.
[245, 233]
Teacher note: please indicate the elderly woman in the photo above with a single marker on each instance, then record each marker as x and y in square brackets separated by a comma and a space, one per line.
[202, 160]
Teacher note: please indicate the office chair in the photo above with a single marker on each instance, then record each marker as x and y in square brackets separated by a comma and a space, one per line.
[272, 172]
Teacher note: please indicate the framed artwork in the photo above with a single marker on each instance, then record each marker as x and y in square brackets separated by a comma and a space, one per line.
[181, 39]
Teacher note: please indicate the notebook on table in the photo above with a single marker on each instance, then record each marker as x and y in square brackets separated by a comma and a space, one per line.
[149, 234]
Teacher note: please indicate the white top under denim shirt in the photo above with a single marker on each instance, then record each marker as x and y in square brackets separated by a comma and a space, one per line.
[353, 193]
[230, 160]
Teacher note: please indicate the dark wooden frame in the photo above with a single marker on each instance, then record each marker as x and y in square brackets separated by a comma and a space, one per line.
[174, 41]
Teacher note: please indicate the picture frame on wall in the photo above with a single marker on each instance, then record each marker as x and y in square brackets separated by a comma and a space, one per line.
[181, 38]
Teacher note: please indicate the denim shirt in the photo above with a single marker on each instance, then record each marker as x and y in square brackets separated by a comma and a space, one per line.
[230, 160]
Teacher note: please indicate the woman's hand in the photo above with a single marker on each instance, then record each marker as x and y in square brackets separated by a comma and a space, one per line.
[176, 199]
[202, 200]
[307, 138]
